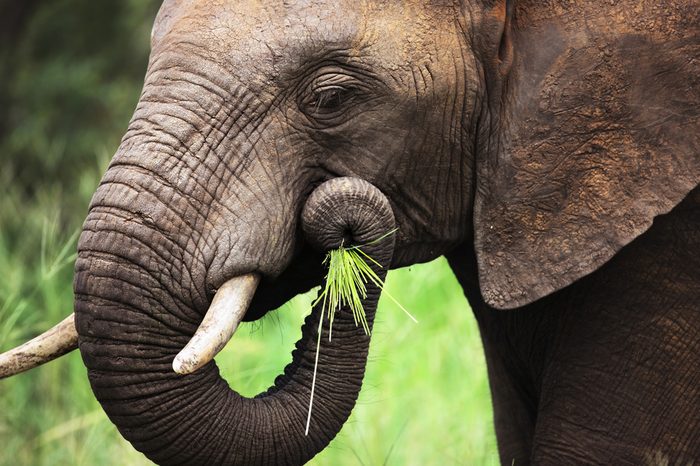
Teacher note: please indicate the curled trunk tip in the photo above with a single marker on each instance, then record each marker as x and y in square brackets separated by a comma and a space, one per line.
[345, 211]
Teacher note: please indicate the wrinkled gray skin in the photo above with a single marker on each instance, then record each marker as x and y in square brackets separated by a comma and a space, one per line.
[529, 141]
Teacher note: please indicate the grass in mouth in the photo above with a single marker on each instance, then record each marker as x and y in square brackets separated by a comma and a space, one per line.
[346, 285]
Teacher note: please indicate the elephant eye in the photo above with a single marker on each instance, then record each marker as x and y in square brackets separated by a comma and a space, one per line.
[326, 105]
[330, 99]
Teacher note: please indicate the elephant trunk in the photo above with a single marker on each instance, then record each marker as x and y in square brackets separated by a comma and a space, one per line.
[130, 325]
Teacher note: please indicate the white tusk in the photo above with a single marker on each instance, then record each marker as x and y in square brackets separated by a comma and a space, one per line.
[59, 340]
[225, 313]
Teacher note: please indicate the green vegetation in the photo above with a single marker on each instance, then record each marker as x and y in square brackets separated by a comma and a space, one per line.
[75, 75]
[346, 280]
[345, 285]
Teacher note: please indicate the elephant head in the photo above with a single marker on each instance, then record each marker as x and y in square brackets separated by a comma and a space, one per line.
[496, 123]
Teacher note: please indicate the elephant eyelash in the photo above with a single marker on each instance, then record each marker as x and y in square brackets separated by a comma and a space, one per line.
[331, 98]
[331, 105]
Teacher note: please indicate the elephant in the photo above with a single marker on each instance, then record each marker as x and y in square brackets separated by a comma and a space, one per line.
[550, 150]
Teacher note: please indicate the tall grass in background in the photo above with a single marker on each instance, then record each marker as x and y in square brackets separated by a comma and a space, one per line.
[69, 84]
[425, 397]
[424, 400]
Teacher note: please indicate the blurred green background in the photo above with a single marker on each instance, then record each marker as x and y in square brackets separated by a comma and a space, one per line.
[70, 74]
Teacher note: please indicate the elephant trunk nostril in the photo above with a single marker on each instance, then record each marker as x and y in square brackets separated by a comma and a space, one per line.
[345, 211]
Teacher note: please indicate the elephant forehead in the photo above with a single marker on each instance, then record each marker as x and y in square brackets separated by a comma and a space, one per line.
[251, 37]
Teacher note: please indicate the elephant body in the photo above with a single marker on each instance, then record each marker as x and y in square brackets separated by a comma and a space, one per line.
[604, 371]
[551, 150]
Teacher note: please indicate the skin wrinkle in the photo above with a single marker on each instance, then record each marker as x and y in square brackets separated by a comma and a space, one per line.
[186, 79]
[132, 218]
[186, 216]
[157, 139]
[259, 187]
[128, 260]
[185, 147]
[229, 117]
[214, 70]
[194, 113]
[169, 395]
[175, 395]
[106, 301]
[190, 427]
[449, 116]
[193, 440]
[205, 144]
[254, 145]
[109, 298]
[215, 170]
[465, 166]
[167, 325]
[259, 131]
[141, 391]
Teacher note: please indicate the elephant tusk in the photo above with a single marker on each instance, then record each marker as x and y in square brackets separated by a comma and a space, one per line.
[219, 324]
[59, 340]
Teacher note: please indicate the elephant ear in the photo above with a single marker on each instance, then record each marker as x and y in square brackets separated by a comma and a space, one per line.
[599, 133]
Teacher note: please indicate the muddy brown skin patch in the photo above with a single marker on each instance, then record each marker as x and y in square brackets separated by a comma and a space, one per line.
[600, 134]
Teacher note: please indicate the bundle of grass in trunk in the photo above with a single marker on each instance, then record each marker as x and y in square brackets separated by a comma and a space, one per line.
[346, 285]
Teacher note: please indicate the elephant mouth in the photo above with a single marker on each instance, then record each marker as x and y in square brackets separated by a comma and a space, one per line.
[247, 298]
[304, 272]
